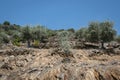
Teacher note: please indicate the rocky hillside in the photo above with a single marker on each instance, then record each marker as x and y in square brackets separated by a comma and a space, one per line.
[38, 64]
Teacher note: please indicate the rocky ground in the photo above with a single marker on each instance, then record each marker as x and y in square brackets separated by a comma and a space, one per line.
[38, 64]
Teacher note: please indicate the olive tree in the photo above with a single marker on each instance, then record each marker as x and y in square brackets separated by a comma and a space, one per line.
[107, 33]
[81, 33]
[118, 38]
[39, 33]
[26, 34]
[98, 31]
[6, 23]
[93, 31]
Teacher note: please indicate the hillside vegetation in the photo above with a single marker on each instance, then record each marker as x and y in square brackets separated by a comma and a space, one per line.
[95, 32]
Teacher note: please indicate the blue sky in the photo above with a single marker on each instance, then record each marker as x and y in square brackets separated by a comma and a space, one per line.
[58, 14]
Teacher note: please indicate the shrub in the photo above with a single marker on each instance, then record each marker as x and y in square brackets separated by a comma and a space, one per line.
[36, 43]
[1, 40]
[4, 37]
[64, 44]
[16, 42]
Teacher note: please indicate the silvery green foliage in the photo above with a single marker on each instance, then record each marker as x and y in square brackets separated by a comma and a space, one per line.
[1, 40]
[16, 34]
[38, 32]
[63, 40]
[4, 38]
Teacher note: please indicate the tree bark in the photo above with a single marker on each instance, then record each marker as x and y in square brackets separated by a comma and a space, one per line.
[28, 43]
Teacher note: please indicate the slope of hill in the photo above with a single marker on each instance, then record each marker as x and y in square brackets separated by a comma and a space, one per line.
[38, 64]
